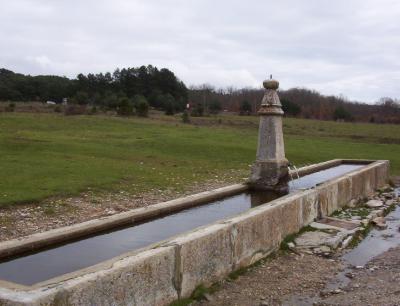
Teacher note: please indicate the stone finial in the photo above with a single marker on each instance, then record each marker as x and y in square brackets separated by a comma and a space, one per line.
[270, 104]
[271, 84]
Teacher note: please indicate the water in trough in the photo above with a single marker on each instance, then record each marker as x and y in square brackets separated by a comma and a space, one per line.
[72, 256]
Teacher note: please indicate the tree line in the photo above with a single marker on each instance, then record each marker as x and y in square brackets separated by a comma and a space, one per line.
[296, 102]
[159, 88]
[134, 90]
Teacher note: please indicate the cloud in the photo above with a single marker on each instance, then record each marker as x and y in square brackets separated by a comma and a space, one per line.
[340, 47]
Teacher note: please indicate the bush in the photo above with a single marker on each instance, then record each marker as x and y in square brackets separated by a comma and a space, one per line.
[125, 107]
[141, 105]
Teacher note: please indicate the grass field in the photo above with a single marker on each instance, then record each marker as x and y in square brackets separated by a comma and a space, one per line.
[44, 155]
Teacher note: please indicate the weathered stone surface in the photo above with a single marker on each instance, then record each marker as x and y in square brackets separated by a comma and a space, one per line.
[374, 203]
[380, 222]
[327, 197]
[344, 191]
[317, 239]
[144, 279]
[291, 215]
[310, 207]
[205, 255]
[147, 278]
[270, 175]
[256, 234]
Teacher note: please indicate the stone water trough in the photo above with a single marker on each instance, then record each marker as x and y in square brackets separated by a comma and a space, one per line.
[170, 269]
[158, 254]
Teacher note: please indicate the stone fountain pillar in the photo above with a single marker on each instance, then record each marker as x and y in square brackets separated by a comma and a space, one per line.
[270, 171]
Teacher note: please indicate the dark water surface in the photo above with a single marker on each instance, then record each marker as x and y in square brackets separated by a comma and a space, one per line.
[61, 259]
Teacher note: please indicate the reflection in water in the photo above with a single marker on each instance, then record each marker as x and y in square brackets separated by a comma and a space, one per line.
[261, 197]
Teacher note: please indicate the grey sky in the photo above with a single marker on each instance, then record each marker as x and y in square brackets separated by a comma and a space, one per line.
[336, 47]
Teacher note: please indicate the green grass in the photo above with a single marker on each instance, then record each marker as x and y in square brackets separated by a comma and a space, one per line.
[46, 155]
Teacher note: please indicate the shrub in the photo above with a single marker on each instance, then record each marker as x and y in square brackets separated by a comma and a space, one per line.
[141, 105]
[185, 117]
[125, 107]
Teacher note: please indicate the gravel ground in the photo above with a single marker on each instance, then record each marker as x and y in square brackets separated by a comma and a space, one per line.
[277, 278]
[303, 280]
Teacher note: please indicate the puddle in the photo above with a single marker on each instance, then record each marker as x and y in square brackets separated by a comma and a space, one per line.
[72, 256]
[377, 241]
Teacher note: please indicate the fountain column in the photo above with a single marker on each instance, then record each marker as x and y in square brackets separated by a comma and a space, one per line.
[270, 170]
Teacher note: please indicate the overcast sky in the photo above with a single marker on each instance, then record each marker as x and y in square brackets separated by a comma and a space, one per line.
[348, 47]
